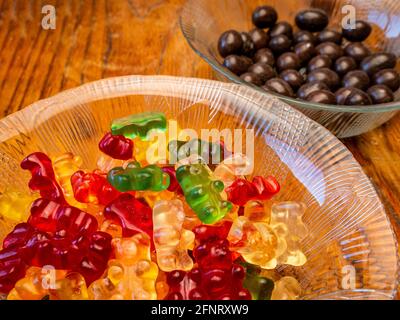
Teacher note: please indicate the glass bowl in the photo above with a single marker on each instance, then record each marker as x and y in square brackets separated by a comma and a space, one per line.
[347, 221]
[203, 21]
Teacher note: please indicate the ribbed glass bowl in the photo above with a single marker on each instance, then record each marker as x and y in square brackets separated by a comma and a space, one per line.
[347, 222]
[203, 21]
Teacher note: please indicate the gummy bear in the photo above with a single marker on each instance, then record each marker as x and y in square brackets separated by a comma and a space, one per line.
[287, 288]
[214, 284]
[236, 165]
[43, 177]
[64, 167]
[139, 125]
[211, 152]
[35, 284]
[93, 188]
[256, 211]
[116, 146]
[257, 242]
[40, 283]
[216, 276]
[259, 287]
[171, 240]
[212, 247]
[131, 275]
[133, 215]
[241, 190]
[202, 193]
[14, 206]
[286, 219]
[106, 163]
[173, 182]
[133, 177]
[58, 235]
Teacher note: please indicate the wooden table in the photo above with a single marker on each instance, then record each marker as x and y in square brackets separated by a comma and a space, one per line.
[95, 39]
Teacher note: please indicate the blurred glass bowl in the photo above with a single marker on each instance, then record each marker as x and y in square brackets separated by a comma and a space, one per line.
[203, 21]
[346, 219]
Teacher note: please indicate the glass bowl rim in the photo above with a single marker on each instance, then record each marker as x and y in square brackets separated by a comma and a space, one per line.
[375, 108]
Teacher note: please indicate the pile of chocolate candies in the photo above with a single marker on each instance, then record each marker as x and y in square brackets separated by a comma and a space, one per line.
[133, 229]
[314, 63]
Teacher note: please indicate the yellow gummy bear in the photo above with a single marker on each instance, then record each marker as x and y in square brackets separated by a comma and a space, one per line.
[257, 242]
[131, 275]
[171, 240]
[231, 168]
[105, 163]
[256, 210]
[286, 288]
[152, 197]
[40, 283]
[14, 206]
[286, 220]
[65, 166]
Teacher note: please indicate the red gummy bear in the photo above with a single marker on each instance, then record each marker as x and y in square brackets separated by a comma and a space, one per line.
[117, 147]
[216, 276]
[43, 177]
[212, 250]
[174, 185]
[58, 235]
[214, 284]
[93, 188]
[241, 190]
[132, 214]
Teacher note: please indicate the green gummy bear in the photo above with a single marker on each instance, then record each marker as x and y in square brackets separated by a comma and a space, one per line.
[139, 125]
[134, 177]
[212, 151]
[202, 193]
[260, 287]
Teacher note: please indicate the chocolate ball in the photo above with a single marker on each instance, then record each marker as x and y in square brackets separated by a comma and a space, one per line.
[325, 75]
[263, 70]
[302, 36]
[380, 93]
[293, 77]
[278, 86]
[329, 35]
[230, 42]
[357, 51]
[288, 60]
[319, 62]
[344, 65]
[377, 62]
[237, 64]
[280, 44]
[260, 38]
[330, 49]
[360, 33]
[305, 51]
[312, 20]
[281, 27]
[264, 55]
[309, 87]
[252, 78]
[264, 17]
[342, 94]
[387, 77]
[248, 47]
[352, 97]
[321, 96]
[356, 79]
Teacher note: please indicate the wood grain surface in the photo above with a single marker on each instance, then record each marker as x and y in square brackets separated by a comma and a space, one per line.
[95, 39]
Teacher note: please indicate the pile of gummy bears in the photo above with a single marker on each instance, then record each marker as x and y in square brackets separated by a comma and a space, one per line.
[137, 230]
